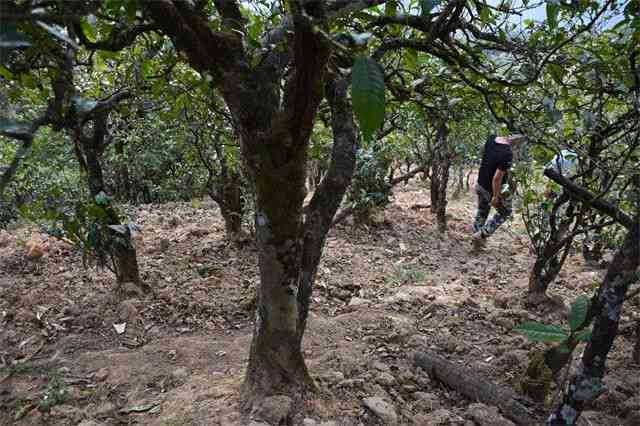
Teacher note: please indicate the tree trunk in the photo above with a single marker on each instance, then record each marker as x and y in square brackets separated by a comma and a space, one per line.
[232, 203]
[551, 258]
[89, 151]
[123, 180]
[636, 349]
[606, 308]
[289, 253]
[440, 177]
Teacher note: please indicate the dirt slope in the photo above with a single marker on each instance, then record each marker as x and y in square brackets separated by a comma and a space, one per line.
[382, 292]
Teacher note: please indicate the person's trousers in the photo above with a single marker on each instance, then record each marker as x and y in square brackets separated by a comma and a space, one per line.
[484, 207]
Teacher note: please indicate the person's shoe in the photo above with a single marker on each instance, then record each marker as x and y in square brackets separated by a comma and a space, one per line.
[478, 241]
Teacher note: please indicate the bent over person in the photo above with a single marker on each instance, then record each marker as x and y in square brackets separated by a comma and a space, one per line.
[494, 168]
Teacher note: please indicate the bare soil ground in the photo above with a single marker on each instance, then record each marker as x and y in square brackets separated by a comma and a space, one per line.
[383, 291]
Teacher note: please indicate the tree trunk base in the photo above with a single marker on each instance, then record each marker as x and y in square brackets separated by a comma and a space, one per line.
[517, 408]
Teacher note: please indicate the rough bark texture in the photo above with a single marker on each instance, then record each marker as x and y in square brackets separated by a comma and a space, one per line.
[465, 381]
[440, 177]
[635, 357]
[587, 385]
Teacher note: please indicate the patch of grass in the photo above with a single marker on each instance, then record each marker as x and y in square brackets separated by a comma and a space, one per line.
[406, 274]
[57, 392]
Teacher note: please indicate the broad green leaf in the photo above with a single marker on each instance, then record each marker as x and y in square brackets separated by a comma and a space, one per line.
[556, 72]
[368, 94]
[88, 29]
[485, 14]
[541, 332]
[411, 58]
[578, 312]
[6, 74]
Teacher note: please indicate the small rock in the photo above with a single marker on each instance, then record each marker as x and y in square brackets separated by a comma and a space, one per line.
[380, 366]
[502, 302]
[382, 409]
[180, 373]
[101, 375]
[356, 302]
[484, 415]
[5, 238]
[506, 323]
[385, 379]
[451, 344]
[105, 409]
[329, 423]
[427, 401]
[88, 423]
[418, 341]
[439, 417]
[274, 409]
[309, 422]
[332, 377]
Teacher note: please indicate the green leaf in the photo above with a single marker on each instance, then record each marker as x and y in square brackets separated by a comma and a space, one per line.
[578, 312]
[552, 13]
[411, 58]
[583, 336]
[88, 29]
[5, 73]
[541, 332]
[368, 95]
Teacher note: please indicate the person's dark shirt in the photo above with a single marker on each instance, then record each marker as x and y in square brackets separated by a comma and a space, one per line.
[495, 156]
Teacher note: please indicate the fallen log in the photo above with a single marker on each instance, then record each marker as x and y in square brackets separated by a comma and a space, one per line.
[517, 408]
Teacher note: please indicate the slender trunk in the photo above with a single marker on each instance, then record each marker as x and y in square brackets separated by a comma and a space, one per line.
[440, 178]
[606, 308]
[232, 203]
[636, 349]
[89, 151]
[123, 180]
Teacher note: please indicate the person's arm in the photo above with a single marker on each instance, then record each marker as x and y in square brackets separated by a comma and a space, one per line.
[496, 185]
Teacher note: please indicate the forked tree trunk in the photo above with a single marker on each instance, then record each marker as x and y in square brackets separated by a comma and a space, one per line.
[606, 308]
[554, 253]
[289, 253]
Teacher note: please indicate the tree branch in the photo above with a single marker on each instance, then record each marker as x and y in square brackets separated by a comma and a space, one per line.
[591, 199]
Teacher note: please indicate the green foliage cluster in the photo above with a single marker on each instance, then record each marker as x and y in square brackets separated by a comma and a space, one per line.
[551, 333]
